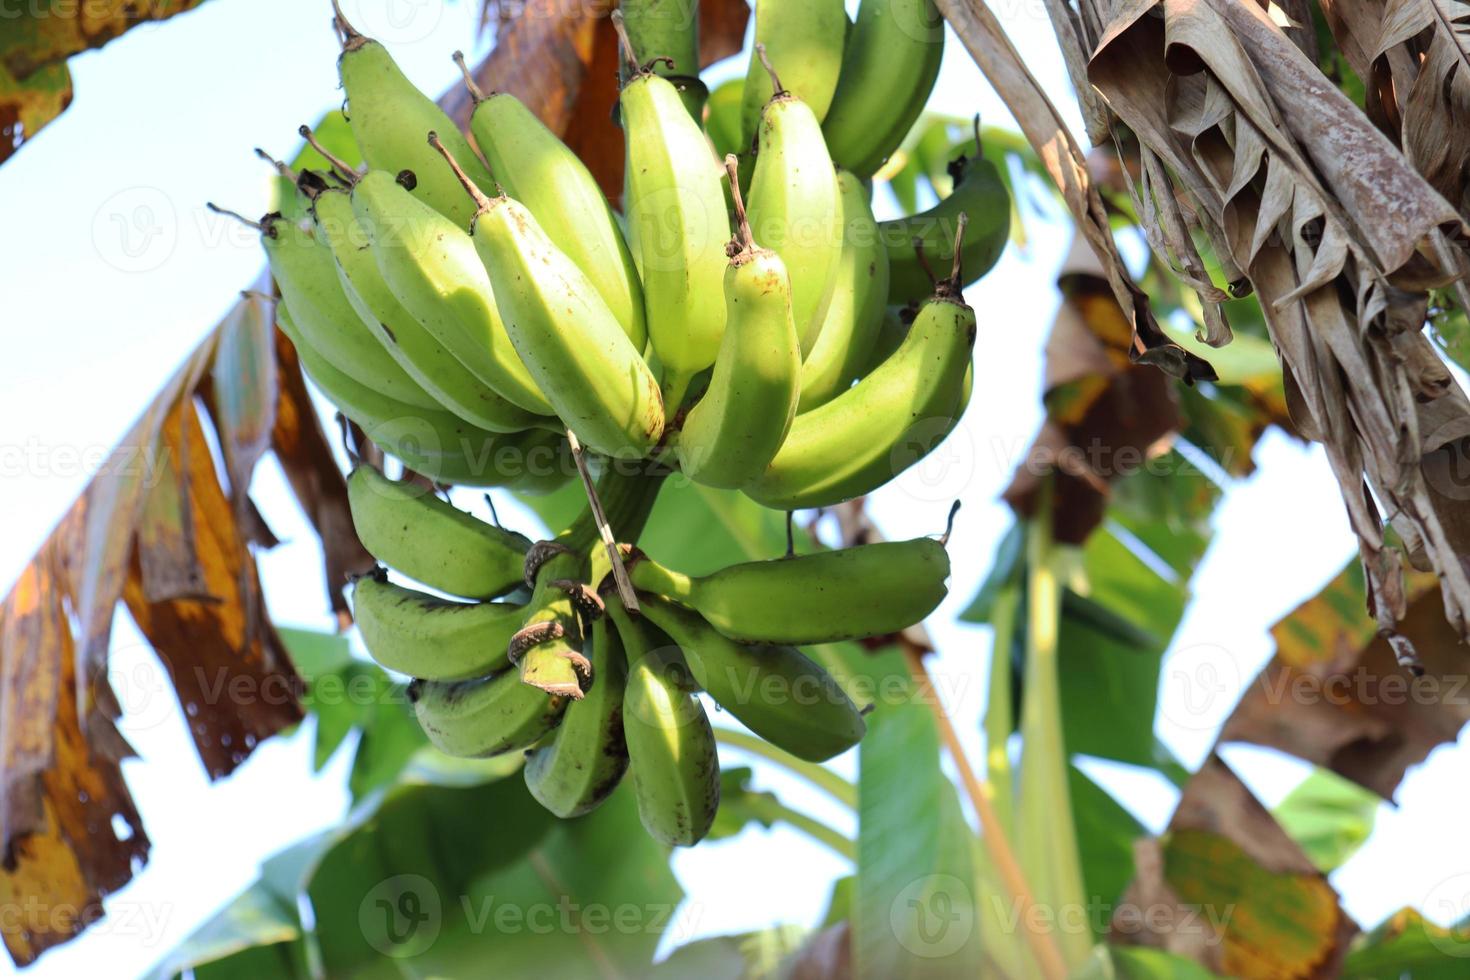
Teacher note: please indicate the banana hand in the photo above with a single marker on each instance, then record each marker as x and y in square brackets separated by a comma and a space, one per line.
[434, 639]
[888, 71]
[389, 118]
[586, 758]
[578, 355]
[411, 530]
[978, 193]
[884, 424]
[671, 747]
[734, 431]
[855, 311]
[826, 597]
[480, 718]
[775, 691]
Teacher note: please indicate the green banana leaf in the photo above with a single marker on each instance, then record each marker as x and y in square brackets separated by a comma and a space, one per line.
[1329, 817]
[914, 906]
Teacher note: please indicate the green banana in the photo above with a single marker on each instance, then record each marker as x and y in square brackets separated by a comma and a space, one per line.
[415, 349]
[535, 462]
[430, 638]
[597, 381]
[430, 441]
[888, 71]
[775, 691]
[536, 168]
[389, 118]
[734, 431]
[804, 40]
[671, 746]
[666, 34]
[484, 717]
[586, 758]
[826, 597]
[794, 207]
[432, 267]
[412, 530]
[855, 312]
[303, 269]
[885, 423]
[677, 227]
[979, 193]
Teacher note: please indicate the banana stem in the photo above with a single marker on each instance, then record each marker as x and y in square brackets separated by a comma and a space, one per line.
[349, 33]
[732, 170]
[282, 168]
[777, 89]
[1043, 944]
[477, 95]
[482, 203]
[627, 500]
[819, 776]
[338, 164]
[625, 44]
[258, 226]
[609, 542]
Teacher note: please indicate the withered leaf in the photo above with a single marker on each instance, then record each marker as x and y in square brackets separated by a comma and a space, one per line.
[35, 85]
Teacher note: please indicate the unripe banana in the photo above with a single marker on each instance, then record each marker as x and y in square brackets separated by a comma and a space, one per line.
[303, 268]
[804, 40]
[586, 758]
[433, 639]
[677, 228]
[734, 431]
[978, 193]
[794, 207]
[535, 462]
[826, 597]
[536, 168]
[431, 441]
[775, 691]
[415, 349]
[484, 717]
[414, 531]
[432, 267]
[665, 33]
[888, 70]
[855, 311]
[671, 746]
[389, 118]
[566, 336]
[885, 423]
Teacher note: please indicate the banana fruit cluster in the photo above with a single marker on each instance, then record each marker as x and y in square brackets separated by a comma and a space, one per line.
[483, 313]
[538, 662]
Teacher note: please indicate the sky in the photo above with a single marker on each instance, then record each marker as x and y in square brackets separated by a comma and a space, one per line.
[113, 271]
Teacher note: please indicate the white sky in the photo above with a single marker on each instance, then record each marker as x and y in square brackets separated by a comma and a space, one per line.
[99, 314]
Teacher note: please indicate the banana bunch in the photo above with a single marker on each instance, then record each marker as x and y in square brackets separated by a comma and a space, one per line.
[483, 314]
